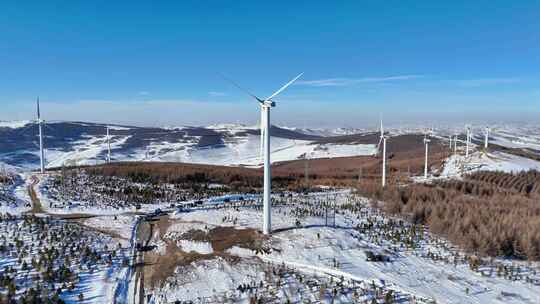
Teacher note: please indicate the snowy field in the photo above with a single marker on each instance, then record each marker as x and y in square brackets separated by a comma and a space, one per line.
[14, 197]
[85, 196]
[71, 263]
[240, 145]
[456, 165]
[240, 151]
[306, 245]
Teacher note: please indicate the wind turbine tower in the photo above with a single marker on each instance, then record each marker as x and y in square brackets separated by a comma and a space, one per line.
[382, 140]
[261, 151]
[426, 143]
[266, 104]
[486, 138]
[40, 128]
[108, 145]
[455, 143]
[468, 141]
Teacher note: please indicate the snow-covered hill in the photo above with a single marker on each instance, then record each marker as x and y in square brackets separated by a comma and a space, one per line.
[82, 143]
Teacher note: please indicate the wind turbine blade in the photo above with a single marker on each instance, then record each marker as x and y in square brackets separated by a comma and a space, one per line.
[379, 144]
[38, 114]
[283, 87]
[242, 89]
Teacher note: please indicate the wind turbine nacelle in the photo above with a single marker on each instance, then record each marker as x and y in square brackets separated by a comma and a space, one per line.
[270, 103]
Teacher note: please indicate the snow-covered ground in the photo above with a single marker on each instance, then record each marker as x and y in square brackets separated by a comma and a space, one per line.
[245, 151]
[241, 151]
[119, 225]
[199, 247]
[237, 145]
[240, 144]
[15, 199]
[315, 248]
[14, 124]
[456, 165]
[517, 137]
[85, 152]
[96, 206]
[77, 251]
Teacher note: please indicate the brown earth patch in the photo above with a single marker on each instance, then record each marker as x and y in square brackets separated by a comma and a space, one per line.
[223, 238]
[159, 267]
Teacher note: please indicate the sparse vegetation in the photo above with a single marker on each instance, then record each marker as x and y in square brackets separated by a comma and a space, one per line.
[43, 258]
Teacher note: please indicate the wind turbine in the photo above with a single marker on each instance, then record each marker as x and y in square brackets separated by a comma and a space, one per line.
[426, 143]
[468, 141]
[486, 138]
[455, 143]
[40, 128]
[382, 140]
[108, 145]
[266, 104]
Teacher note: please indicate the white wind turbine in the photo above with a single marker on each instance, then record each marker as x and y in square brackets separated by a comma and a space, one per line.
[382, 140]
[455, 143]
[426, 143]
[266, 104]
[40, 128]
[108, 145]
[468, 141]
[486, 138]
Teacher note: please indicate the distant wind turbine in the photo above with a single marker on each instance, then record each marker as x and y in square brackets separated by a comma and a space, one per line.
[382, 140]
[426, 143]
[266, 104]
[468, 142]
[455, 143]
[40, 128]
[486, 138]
[108, 145]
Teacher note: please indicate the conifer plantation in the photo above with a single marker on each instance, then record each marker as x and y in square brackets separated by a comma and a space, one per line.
[488, 213]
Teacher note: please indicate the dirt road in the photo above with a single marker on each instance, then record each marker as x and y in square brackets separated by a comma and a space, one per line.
[37, 208]
[143, 237]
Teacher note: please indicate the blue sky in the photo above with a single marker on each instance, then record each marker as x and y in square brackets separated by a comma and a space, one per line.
[156, 63]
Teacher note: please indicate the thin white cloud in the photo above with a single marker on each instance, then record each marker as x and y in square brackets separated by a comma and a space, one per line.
[143, 93]
[216, 94]
[478, 82]
[341, 82]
